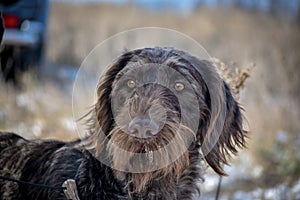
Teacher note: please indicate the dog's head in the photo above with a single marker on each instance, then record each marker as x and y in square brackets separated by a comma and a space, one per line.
[164, 103]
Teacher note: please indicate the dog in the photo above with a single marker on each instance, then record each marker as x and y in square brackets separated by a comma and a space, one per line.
[160, 114]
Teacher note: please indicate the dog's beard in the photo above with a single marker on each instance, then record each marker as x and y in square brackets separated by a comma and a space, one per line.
[168, 149]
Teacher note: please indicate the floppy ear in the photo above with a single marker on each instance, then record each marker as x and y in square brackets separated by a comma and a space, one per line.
[103, 113]
[221, 127]
[100, 121]
[232, 134]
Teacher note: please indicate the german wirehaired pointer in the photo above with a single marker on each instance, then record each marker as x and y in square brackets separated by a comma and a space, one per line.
[160, 113]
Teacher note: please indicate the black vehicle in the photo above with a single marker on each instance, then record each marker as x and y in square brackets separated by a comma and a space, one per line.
[23, 41]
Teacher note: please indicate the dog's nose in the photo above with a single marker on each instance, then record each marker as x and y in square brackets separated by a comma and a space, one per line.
[142, 128]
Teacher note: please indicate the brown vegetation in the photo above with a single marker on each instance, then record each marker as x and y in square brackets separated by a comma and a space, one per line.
[271, 96]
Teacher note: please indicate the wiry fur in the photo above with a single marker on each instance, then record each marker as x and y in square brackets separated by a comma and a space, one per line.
[52, 162]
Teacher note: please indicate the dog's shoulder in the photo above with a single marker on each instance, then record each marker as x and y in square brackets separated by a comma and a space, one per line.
[51, 162]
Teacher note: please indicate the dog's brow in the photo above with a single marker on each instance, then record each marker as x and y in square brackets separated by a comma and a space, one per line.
[142, 72]
[125, 71]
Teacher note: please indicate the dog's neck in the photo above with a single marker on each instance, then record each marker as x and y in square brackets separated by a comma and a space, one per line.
[185, 187]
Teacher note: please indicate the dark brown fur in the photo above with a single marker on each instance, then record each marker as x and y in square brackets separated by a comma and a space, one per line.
[179, 178]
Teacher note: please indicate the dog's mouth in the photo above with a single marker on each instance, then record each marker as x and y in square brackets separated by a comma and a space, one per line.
[147, 151]
[147, 159]
[146, 145]
[143, 157]
[143, 140]
[160, 150]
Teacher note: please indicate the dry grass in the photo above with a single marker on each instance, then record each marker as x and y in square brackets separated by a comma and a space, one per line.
[271, 96]
[38, 111]
[236, 37]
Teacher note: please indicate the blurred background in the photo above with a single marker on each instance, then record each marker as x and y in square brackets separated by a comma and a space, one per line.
[45, 43]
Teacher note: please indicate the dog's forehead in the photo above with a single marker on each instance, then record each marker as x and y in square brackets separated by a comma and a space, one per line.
[158, 55]
[154, 61]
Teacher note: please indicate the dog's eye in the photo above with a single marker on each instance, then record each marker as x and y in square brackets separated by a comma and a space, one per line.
[179, 86]
[131, 84]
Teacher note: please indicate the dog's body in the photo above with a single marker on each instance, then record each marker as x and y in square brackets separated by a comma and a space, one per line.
[169, 106]
[51, 163]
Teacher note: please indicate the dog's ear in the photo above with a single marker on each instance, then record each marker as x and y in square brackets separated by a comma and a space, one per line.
[100, 120]
[103, 112]
[221, 126]
[232, 134]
